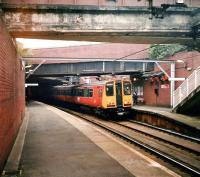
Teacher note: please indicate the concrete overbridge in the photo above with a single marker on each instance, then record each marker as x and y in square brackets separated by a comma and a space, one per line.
[101, 23]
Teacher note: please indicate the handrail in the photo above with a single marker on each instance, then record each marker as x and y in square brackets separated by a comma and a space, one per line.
[187, 87]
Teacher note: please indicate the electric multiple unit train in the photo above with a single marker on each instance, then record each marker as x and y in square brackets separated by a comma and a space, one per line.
[113, 96]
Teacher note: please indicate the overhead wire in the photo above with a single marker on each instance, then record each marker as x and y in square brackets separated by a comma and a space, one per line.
[139, 51]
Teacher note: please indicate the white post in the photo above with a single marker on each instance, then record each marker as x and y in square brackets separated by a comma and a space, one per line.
[173, 105]
[144, 67]
[180, 94]
[103, 67]
[187, 86]
[195, 79]
[172, 83]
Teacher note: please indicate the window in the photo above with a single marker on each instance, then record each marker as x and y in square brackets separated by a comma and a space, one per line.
[90, 92]
[127, 88]
[85, 92]
[80, 92]
[109, 89]
[138, 89]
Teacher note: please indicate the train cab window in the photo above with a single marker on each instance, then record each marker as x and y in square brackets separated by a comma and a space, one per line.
[127, 88]
[109, 89]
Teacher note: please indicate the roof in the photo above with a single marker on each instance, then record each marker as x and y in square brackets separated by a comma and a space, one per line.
[99, 51]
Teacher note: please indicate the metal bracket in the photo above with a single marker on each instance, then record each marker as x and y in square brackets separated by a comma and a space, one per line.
[159, 12]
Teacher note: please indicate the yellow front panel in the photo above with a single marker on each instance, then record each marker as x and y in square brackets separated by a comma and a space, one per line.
[109, 101]
[127, 99]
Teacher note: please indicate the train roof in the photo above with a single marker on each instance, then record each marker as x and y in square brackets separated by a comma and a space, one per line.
[98, 83]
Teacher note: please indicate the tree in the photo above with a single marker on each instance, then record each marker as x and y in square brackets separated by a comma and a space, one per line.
[23, 52]
[158, 52]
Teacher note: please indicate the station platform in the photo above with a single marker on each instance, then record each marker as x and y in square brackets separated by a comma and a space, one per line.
[58, 144]
[167, 113]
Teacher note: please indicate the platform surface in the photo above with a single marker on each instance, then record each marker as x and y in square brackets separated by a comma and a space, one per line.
[58, 144]
[54, 148]
[167, 112]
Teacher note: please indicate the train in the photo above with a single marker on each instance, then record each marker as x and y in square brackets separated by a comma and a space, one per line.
[104, 97]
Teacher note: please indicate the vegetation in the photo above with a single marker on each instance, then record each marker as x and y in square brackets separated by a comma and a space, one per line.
[23, 52]
[159, 52]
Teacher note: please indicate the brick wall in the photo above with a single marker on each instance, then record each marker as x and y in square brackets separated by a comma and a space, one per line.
[150, 97]
[191, 62]
[11, 94]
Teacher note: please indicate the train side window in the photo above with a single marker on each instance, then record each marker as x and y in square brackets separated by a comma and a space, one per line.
[76, 92]
[73, 92]
[127, 88]
[90, 92]
[109, 89]
[80, 92]
[85, 92]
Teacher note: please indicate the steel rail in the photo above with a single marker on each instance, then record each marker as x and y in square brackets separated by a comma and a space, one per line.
[190, 138]
[161, 139]
[190, 170]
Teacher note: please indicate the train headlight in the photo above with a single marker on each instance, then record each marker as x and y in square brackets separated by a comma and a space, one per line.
[110, 104]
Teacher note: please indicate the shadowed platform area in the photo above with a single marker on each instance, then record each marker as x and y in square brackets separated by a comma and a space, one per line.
[55, 148]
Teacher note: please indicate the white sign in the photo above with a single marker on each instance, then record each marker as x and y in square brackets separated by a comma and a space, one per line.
[31, 84]
[164, 86]
[177, 79]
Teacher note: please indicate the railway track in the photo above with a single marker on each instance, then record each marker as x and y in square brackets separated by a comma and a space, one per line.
[166, 137]
[190, 138]
[182, 153]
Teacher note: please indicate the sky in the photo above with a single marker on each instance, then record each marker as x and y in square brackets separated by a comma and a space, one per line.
[38, 43]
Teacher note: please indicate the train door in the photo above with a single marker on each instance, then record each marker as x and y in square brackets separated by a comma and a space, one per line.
[118, 85]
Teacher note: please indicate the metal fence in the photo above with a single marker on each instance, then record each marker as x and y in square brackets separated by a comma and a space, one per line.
[189, 85]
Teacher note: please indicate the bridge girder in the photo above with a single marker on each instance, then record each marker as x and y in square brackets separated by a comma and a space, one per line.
[92, 68]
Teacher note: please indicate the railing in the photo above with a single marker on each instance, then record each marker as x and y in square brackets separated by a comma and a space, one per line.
[189, 85]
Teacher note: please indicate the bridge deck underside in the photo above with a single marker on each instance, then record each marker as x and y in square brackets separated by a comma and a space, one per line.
[108, 24]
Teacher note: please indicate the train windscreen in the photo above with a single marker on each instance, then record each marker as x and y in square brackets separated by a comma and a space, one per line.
[109, 89]
[127, 88]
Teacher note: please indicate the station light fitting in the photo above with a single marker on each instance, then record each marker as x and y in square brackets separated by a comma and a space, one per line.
[28, 66]
[31, 84]
[179, 1]
[180, 61]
